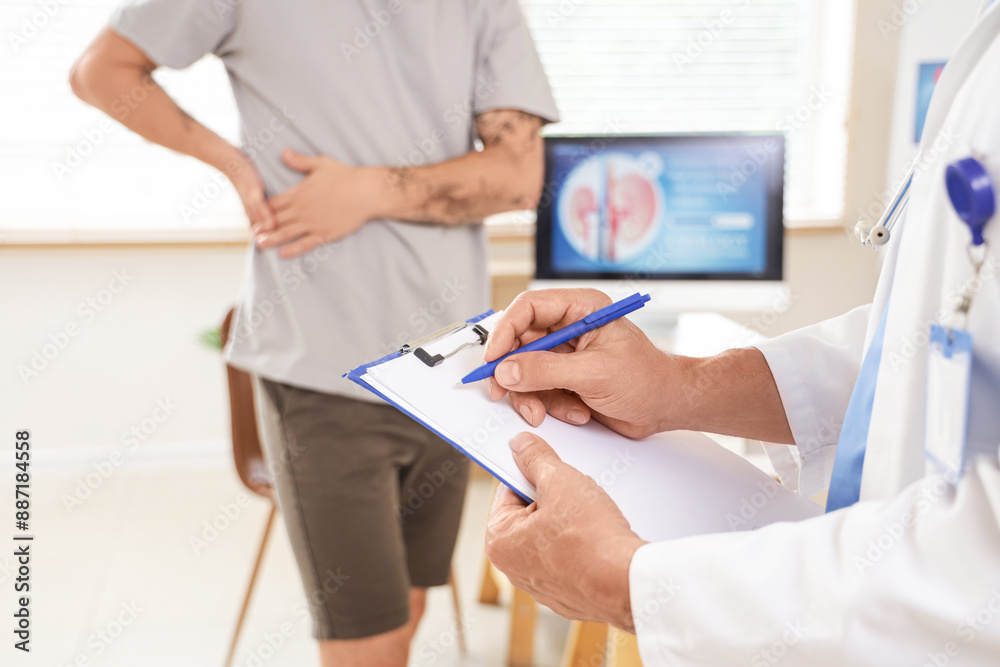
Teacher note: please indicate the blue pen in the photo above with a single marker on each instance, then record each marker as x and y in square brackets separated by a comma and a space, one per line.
[595, 320]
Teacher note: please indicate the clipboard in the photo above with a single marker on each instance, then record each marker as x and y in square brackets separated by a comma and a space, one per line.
[668, 486]
[358, 374]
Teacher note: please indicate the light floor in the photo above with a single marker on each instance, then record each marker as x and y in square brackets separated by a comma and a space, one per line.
[117, 582]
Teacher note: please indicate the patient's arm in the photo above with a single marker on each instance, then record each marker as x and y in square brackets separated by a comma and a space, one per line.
[334, 200]
[115, 76]
[506, 175]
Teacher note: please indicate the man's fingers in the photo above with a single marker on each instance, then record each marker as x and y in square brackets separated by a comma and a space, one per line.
[264, 216]
[534, 457]
[505, 503]
[507, 513]
[563, 406]
[280, 236]
[538, 371]
[298, 161]
[282, 201]
[530, 407]
[285, 215]
[541, 310]
[569, 408]
[495, 390]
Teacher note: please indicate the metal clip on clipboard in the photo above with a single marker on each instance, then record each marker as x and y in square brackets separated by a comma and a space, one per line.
[433, 360]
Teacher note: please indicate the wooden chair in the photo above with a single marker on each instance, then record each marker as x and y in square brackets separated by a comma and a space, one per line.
[251, 466]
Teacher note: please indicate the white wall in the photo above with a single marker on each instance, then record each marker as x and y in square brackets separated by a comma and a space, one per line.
[828, 273]
[140, 348]
[930, 34]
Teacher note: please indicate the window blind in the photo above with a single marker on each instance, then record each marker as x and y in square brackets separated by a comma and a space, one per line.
[637, 66]
[70, 170]
[615, 66]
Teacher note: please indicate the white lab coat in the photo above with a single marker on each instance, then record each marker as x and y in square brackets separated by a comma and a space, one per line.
[911, 574]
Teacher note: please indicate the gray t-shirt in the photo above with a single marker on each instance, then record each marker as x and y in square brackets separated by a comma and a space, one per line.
[366, 82]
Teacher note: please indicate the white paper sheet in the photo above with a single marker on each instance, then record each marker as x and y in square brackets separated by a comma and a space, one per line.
[669, 486]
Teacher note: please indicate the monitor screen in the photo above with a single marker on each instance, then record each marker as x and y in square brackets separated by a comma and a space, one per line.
[681, 207]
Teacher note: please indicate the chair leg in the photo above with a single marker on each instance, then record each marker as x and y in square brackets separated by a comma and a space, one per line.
[459, 619]
[489, 589]
[523, 613]
[626, 649]
[586, 645]
[250, 586]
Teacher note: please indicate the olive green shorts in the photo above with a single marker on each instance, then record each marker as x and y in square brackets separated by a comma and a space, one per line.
[372, 502]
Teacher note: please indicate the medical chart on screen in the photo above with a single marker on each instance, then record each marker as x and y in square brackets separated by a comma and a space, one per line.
[677, 209]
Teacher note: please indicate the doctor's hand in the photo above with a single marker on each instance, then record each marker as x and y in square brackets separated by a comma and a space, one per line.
[571, 548]
[613, 374]
[333, 201]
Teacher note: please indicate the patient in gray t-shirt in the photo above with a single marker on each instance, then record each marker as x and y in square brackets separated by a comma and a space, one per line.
[365, 195]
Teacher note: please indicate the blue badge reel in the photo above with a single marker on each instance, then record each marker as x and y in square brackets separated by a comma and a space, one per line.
[949, 364]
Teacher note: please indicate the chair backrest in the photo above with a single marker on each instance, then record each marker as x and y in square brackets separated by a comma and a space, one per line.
[248, 455]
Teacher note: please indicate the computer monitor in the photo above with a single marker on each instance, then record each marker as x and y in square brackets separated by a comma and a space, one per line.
[696, 220]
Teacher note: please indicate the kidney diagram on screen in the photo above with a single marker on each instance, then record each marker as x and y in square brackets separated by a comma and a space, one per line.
[611, 206]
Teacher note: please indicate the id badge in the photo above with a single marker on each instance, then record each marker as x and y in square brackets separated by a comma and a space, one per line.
[949, 373]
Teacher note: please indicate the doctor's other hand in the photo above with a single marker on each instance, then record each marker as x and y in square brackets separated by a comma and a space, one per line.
[334, 200]
[613, 374]
[570, 549]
